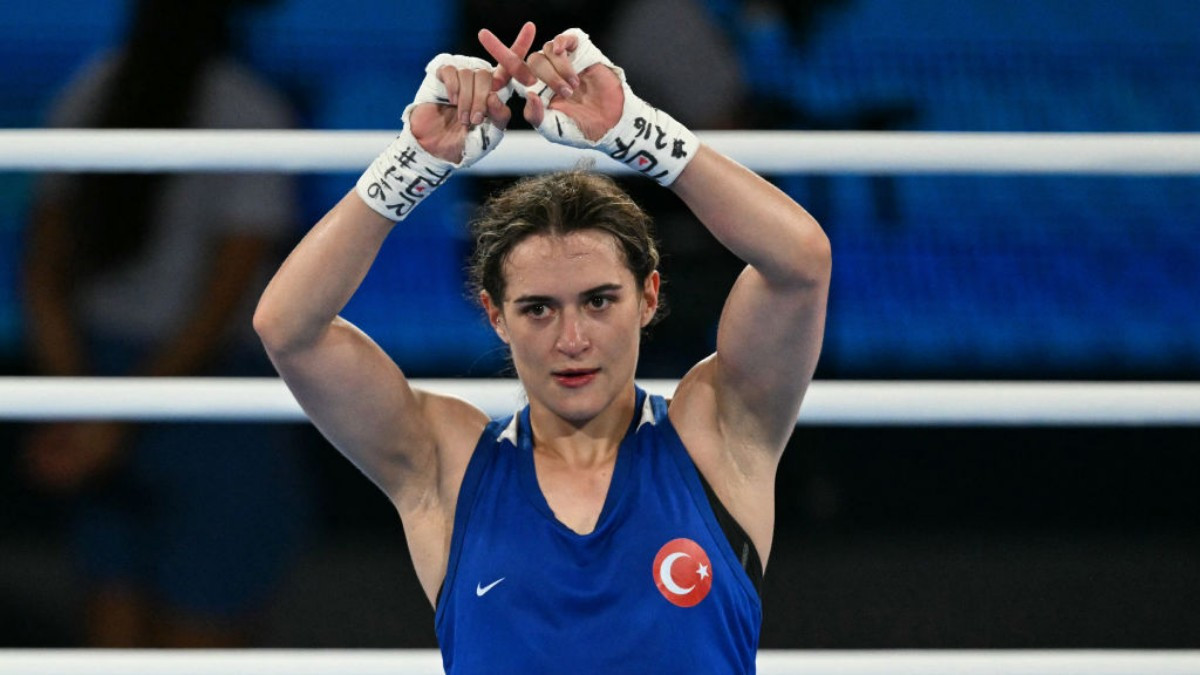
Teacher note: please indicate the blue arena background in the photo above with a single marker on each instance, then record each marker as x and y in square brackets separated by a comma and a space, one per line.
[935, 276]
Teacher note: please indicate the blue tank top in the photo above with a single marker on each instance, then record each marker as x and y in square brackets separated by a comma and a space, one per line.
[655, 588]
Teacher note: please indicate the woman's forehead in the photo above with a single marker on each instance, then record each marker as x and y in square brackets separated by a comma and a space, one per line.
[581, 256]
[593, 247]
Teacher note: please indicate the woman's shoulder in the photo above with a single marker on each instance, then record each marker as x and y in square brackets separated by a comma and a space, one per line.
[692, 409]
[455, 419]
[695, 394]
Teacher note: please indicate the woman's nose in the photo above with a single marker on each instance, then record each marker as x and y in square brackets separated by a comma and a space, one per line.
[572, 339]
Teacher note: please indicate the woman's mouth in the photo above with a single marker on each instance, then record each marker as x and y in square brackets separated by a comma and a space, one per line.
[575, 377]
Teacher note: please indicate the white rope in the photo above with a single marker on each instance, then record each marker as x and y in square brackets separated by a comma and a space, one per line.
[861, 402]
[524, 152]
[428, 662]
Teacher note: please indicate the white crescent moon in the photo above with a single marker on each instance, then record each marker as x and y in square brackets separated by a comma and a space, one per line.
[664, 574]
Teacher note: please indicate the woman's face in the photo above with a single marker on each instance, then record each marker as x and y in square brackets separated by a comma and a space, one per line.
[572, 316]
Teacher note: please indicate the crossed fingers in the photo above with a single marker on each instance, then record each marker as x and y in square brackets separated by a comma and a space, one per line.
[551, 65]
[520, 48]
[473, 91]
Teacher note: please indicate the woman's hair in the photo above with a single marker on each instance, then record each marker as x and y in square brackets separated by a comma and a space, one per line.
[557, 204]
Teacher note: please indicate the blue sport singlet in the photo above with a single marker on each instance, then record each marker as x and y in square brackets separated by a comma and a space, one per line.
[655, 588]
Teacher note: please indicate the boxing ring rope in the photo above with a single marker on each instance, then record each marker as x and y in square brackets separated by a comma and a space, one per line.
[523, 152]
[770, 662]
[859, 403]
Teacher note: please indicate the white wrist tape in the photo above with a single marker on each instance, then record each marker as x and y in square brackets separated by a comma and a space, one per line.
[401, 177]
[404, 174]
[645, 138]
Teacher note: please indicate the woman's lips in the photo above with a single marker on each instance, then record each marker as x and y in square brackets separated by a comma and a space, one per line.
[575, 377]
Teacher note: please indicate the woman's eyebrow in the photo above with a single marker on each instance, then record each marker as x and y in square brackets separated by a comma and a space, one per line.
[602, 288]
[531, 299]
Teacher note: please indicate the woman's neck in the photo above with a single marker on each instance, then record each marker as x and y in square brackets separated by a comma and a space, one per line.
[583, 444]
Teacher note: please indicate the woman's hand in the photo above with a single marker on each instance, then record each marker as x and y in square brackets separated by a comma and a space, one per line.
[576, 96]
[469, 96]
[593, 98]
[457, 117]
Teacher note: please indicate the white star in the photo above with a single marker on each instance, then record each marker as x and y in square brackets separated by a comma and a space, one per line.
[702, 571]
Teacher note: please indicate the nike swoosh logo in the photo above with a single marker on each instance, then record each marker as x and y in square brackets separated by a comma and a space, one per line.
[480, 591]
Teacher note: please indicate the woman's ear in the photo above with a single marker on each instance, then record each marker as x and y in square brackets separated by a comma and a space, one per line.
[650, 297]
[494, 314]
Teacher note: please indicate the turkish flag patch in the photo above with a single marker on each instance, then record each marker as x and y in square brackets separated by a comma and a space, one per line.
[683, 572]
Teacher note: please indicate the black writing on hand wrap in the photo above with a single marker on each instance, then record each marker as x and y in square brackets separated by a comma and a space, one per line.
[401, 202]
[677, 150]
[658, 142]
[405, 159]
[644, 160]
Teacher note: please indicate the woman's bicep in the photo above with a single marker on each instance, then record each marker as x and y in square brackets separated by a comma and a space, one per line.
[768, 343]
[362, 403]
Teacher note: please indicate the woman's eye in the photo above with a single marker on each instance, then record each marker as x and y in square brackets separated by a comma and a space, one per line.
[599, 302]
[535, 310]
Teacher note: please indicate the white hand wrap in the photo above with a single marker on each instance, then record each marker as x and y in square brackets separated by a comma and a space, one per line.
[405, 173]
[645, 138]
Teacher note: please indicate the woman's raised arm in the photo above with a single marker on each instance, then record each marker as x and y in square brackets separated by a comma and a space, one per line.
[351, 390]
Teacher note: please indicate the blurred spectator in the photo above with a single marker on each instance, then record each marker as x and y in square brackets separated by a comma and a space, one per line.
[180, 531]
[707, 87]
